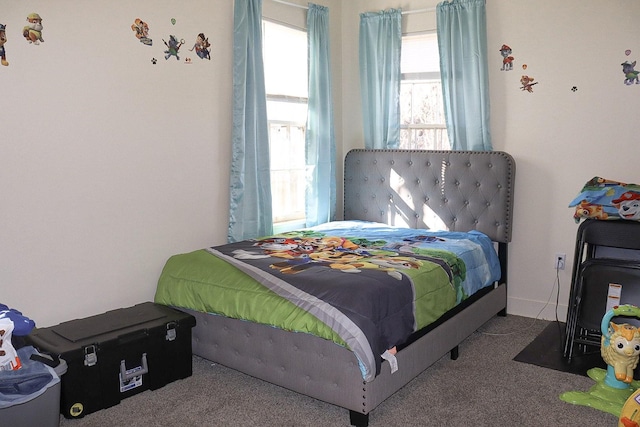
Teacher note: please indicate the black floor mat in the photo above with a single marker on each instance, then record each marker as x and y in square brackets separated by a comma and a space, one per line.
[546, 350]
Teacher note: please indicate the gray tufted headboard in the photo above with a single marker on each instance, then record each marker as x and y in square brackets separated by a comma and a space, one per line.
[450, 190]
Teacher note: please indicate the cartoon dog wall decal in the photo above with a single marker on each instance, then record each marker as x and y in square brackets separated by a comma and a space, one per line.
[3, 40]
[507, 59]
[630, 74]
[202, 46]
[173, 46]
[32, 32]
[141, 30]
[527, 83]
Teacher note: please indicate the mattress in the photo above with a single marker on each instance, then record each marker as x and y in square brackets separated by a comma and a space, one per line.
[365, 286]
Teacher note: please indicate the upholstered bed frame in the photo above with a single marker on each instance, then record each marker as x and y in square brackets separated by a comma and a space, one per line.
[456, 190]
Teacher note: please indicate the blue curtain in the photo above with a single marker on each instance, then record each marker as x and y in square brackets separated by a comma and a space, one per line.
[250, 196]
[380, 42]
[462, 40]
[320, 137]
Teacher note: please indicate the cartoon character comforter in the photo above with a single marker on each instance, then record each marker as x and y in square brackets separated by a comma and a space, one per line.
[366, 286]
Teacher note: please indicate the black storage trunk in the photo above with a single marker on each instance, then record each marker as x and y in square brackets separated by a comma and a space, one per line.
[117, 354]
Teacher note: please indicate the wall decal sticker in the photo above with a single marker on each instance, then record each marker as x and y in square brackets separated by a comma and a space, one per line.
[154, 61]
[627, 52]
[574, 89]
[3, 40]
[173, 21]
[527, 83]
[630, 74]
[141, 29]
[202, 47]
[172, 47]
[33, 31]
[507, 59]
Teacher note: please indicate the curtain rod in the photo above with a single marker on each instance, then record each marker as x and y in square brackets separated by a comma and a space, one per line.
[410, 12]
[291, 4]
[407, 12]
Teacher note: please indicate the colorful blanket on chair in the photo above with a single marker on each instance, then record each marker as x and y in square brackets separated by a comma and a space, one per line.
[605, 199]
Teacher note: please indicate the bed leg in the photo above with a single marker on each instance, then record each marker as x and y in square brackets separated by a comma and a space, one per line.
[503, 312]
[455, 352]
[357, 419]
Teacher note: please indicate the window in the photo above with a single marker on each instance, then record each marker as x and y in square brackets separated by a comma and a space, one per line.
[422, 124]
[285, 69]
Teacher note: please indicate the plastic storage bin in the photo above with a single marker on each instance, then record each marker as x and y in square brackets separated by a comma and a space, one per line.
[42, 410]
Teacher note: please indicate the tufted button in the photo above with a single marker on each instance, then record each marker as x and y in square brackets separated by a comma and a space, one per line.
[410, 162]
[381, 213]
[454, 219]
[499, 186]
[466, 202]
[445, 200]
[366, 178]
[392, 162]
[475, 221]
[468, 164]
[428, 163]
[457, 183]
[416, 215]
[418, 181]
[478, 184]
[375, 162]
[382, 179]
[489, 165]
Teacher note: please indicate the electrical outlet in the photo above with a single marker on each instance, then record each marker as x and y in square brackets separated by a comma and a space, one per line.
[559, 261]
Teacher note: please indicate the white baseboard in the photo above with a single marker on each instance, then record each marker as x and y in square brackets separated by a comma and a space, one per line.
[536, 309]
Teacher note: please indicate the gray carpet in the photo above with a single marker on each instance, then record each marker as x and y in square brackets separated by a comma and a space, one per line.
[484, 387]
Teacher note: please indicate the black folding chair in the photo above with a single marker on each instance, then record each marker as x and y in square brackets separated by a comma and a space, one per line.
[606, 252]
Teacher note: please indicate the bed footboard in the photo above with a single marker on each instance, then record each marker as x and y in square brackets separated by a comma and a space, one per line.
[323, 370]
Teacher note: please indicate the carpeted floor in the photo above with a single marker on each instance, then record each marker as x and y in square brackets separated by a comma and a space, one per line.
[484, 387]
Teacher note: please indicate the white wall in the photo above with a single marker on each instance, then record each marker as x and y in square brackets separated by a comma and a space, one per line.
[561, 138]
[109, 164]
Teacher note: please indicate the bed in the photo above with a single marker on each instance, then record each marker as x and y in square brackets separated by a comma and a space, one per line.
[454, 191]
